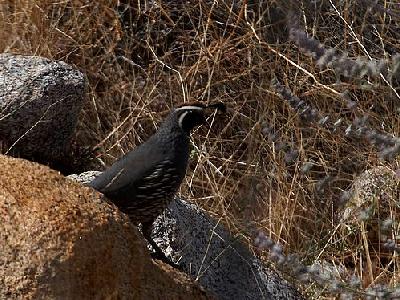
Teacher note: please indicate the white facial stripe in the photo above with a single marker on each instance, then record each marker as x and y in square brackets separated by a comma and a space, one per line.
[189, 107]
[181, 117]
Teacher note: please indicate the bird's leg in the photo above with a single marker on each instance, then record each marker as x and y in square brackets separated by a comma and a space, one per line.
[157, 254]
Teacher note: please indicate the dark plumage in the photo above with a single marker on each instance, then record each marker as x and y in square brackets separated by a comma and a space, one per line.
[144, 181]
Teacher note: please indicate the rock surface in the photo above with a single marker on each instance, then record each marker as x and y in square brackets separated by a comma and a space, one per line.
[373, 207]
[379, 186]
[85, 178]
[40, 101]
[208, 253]
[369, 222]
[220, 262]
[59, 240]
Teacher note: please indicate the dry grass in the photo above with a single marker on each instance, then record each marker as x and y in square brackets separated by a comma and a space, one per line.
[247, 169]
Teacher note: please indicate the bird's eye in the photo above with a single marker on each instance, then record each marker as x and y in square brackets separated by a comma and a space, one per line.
[182, 117]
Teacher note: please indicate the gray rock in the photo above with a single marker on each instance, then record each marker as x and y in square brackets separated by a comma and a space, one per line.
[373, 194]
[85, 178]
[207, 252]
[220, 262]
[40, 101]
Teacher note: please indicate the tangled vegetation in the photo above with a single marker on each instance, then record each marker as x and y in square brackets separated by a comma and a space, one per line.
[313, 96]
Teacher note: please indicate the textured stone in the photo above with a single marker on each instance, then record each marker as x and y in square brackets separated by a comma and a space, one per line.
[85, 178]
[207, 252]
[220, 262]
[374, 191]
[372, 210]
[40, 101]
[59, 240]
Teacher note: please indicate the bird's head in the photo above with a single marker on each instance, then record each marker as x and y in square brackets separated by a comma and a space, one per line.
[189, 116]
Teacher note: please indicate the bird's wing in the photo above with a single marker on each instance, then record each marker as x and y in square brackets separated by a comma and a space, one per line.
[129, 169]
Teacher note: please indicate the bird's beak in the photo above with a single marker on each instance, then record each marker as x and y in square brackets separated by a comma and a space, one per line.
[221, 107]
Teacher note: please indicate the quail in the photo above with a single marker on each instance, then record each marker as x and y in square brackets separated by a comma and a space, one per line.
[143, 182]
